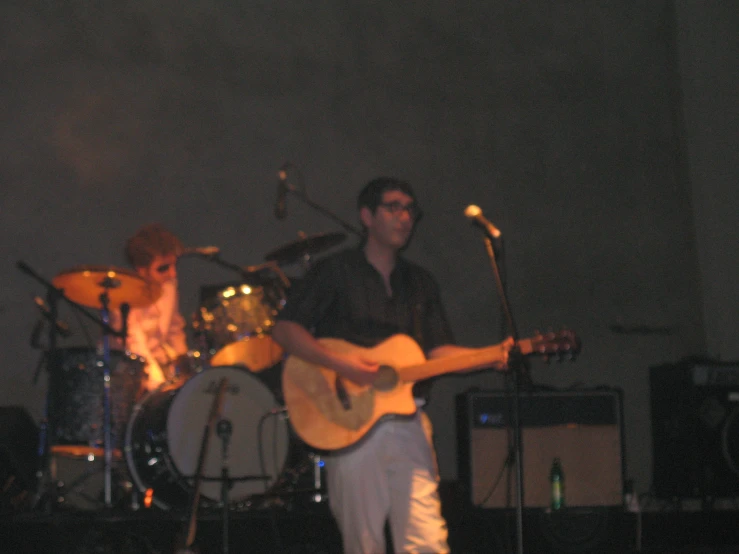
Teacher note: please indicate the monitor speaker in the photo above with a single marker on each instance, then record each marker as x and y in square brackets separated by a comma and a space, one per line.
[583, 429]
[695, 429]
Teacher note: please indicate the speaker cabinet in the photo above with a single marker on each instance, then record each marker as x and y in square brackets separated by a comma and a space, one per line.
[583, 429]
[18, 460]
[695, 429]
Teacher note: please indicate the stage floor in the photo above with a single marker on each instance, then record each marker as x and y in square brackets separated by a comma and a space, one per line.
[310, 529]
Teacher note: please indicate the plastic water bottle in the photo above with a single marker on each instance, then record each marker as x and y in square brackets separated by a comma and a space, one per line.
[557, 481]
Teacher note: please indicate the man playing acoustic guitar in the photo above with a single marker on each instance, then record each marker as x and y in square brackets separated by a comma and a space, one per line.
[386, 311]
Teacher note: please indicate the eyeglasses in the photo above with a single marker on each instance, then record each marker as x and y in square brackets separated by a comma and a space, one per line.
[397, 208]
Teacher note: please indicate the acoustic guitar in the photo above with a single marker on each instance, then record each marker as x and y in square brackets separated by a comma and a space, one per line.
[331, 413]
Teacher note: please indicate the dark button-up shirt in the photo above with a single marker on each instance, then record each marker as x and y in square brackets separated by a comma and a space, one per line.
[344, 296]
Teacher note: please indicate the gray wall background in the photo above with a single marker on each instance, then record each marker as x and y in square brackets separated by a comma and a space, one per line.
[599, 136]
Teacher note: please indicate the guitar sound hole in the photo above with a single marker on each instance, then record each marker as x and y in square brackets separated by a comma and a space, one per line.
[387, 378]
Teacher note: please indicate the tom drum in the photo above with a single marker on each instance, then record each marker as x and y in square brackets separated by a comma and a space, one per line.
[236, 324]
[76, 399]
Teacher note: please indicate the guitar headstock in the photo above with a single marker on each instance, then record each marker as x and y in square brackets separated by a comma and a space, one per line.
[560, 345]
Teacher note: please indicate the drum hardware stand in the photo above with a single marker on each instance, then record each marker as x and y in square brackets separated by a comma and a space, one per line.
[107, 437]
[53, 296]
[318, 463]
[75, 487]
[252, 274]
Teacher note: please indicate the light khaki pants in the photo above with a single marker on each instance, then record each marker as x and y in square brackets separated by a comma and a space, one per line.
[391, 474]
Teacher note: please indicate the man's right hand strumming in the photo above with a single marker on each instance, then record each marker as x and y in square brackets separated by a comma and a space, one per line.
[356, 368]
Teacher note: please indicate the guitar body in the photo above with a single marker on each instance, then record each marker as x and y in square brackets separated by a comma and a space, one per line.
[316, 410]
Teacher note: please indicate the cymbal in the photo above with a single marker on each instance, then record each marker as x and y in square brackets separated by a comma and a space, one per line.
[84, 284]
[306, 246]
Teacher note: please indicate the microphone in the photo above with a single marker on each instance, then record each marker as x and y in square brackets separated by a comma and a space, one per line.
[204, 251]
[474, 214]
[281, 203]
[59, 326]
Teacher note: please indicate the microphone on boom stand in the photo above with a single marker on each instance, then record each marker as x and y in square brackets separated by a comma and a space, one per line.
[281, 202]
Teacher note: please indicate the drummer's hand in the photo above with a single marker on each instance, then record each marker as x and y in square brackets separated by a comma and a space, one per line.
[156, 376]
[357, 368]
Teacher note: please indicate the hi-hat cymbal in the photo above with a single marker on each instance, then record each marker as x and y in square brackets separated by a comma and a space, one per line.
[84, 284]
[306, 246]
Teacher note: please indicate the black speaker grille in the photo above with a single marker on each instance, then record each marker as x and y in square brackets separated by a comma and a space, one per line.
[695, 429]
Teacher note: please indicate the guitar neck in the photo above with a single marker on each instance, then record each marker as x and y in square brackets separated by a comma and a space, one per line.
[451, 364]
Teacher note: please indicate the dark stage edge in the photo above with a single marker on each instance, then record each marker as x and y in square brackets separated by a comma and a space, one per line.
[312, 531]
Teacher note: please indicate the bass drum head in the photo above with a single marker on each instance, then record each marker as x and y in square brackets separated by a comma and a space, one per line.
[258, 444]
[163, 449]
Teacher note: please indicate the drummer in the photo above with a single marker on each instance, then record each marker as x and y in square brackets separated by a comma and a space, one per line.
[157, 331]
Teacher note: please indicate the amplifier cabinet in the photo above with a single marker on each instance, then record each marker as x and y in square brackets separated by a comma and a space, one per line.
[584, 429]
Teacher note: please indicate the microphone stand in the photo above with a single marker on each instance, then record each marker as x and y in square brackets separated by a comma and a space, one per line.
[301, 194]
[224, 429]
[42, 451]
[216, 409]
[515, 364]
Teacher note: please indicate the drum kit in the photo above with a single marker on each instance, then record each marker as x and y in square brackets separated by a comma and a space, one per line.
[155, 445]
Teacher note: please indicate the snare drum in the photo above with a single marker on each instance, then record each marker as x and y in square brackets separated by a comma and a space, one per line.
[165, 433]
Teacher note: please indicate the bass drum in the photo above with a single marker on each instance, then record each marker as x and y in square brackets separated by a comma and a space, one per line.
[165, 433]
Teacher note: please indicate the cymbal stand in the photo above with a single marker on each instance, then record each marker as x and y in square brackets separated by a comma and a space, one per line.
[53, 296]
[107, 284]
[253, 274]
[107, 439]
